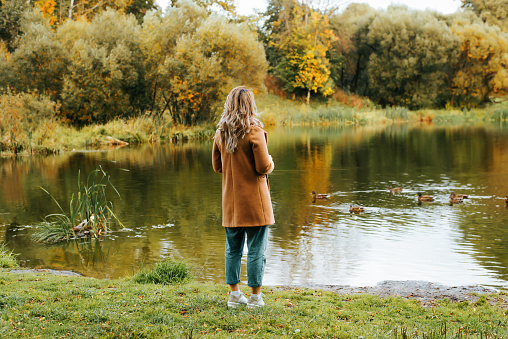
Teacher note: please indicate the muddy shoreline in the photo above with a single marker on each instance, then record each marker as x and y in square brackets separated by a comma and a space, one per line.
[424, 291]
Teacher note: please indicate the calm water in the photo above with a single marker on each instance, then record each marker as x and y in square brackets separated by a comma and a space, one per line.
[171, 208]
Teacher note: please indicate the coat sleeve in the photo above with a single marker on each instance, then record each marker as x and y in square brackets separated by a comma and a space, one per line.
[263, 160]
[216, 157]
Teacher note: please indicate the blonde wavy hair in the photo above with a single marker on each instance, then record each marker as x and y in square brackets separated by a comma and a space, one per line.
[238, 117]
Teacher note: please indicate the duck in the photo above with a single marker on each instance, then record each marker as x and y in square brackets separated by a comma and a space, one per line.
[455, 199]
[424, 197]
[395, 189]
[506, 200]
[461, 196]
[355, 209]
[319, 195]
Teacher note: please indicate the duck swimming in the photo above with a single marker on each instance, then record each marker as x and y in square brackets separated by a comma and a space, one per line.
[319, 195]
[355, 209]
[461, 196]
[455, 199]
[395, 189]
[424, 197]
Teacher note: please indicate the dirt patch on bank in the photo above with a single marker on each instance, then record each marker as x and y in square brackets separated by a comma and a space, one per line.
[424, 291]
[35, 271]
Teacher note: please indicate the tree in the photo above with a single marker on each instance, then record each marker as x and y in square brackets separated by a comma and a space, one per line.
[351, 28]
[39, 62]
[227, 7]
[410, 65]
[105, 77]
[158, 40]
[11, 12]
[300, 39]
[194, 58]
[59, 11]
[206, 65]
[482, 67]
[492, 12]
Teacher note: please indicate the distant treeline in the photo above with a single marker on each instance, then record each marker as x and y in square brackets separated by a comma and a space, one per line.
[97, 60]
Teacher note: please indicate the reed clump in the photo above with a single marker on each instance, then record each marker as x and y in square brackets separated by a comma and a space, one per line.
[89, 211]
[166, 272]
[7, 257]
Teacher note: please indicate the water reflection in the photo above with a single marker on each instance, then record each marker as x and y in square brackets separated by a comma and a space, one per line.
[170, 205]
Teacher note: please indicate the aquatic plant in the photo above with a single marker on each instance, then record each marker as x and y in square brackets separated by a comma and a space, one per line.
[166, 272]
[89, 212]
[7, 257]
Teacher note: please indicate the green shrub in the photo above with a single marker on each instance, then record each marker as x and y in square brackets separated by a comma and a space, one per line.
[166, 272]
[7, 258]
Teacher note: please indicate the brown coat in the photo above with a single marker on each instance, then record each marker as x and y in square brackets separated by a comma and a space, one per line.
[245, 191]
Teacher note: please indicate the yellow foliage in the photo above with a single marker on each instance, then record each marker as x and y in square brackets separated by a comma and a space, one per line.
[47, 7]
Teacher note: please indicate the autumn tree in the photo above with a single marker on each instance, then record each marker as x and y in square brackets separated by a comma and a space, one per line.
[412, 58]
[492, 12]
[39, 61]
[206, 64]
[351, 27]
[158, 39]
[105, 77]
[299, 41]
[481, 70]
[11, 12]
[58, 11]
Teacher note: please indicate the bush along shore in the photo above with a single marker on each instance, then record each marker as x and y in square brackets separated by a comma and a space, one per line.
[164, 302]
[23, 135]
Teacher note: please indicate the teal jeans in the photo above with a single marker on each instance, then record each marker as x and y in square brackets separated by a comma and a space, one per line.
[257, 237]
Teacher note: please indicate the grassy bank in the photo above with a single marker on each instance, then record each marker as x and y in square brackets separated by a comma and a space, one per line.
[33, 305]
[53, 136]
[49, 135]
[277, 111]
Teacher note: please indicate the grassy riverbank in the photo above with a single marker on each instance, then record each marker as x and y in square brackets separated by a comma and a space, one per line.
[52, 136]
[55, 306]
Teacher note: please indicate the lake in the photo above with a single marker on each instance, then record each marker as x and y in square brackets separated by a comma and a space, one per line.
[170, 205]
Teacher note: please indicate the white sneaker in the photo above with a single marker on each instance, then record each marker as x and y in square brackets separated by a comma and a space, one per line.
[256, 301]
[235, 301]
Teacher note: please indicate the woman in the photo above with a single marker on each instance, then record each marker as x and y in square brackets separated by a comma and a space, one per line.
[241, 155]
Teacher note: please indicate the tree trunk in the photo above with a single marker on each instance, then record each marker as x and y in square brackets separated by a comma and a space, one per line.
[355, 78]
[308, 96]
[70, 9]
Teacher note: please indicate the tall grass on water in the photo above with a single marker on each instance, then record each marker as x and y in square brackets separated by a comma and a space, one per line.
[167, 272]
[497, 113]
[397, 113]
[7, 257]
[89, 212]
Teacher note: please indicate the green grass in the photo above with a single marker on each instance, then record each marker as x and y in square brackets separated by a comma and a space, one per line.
[78, 307]
[7, 258]
[166, 272]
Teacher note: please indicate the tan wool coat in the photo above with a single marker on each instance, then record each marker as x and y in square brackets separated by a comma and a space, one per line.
[245, 191]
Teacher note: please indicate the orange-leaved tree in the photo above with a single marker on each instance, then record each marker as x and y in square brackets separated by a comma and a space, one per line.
[482, 68]
[300, 41]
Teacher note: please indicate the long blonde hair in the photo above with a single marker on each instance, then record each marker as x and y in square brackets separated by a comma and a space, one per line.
[238, 117]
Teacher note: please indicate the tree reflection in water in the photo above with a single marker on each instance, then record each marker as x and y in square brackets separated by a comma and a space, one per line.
[170, 205]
